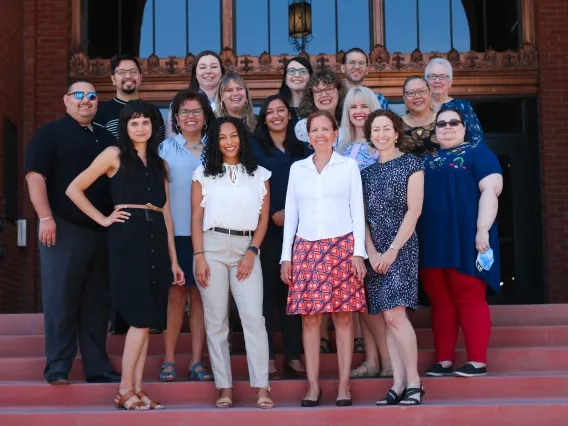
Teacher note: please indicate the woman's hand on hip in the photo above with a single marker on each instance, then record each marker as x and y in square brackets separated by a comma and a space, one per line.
[482, 241]
[386, 260]
[245, 265]
[202, 271]
[179, 276]
[359, 267]
[118, 215]
[286, 272]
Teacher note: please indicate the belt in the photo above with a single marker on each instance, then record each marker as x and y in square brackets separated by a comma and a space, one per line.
[147, 206]
[233, 232]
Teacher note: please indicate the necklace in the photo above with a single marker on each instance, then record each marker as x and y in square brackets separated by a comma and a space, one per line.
[193, 146]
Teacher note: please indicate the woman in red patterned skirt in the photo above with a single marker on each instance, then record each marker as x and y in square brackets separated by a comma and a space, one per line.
[323, 250]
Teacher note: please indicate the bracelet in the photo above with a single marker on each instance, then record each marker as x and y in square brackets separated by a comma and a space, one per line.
[199, 252]
[41, 219]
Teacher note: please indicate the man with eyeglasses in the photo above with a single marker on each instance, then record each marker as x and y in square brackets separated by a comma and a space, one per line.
[355, 66]
[126, 75]
[74, 278]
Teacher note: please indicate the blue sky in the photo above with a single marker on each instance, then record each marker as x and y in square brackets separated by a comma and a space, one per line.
[252, 26]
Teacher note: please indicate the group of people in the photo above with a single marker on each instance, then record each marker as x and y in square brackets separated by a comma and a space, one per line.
[326, 202]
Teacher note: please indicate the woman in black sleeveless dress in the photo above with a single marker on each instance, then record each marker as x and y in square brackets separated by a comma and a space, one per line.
[142, 253]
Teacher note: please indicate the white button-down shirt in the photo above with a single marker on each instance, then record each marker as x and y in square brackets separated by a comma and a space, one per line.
[324, 205]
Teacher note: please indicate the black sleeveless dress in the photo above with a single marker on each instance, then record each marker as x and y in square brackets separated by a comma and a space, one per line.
[139, 262]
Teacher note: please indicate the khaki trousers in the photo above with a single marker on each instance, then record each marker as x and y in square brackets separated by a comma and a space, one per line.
[222, 253]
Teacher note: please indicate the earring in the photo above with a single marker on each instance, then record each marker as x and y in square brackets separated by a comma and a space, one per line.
[395, 141]
[178, 129]
[205, 126]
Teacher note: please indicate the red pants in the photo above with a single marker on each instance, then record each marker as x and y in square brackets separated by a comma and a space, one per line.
[457, 300]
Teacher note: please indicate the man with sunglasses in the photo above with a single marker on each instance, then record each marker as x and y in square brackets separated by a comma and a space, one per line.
[74, 278]
[126, 75]
[355, 66]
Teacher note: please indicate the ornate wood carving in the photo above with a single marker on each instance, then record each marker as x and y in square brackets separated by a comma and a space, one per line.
[485, 73]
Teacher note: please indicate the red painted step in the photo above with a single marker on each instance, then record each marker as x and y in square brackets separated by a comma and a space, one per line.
[515, 315]
[500, 361]
[501, 337]
[481, 413]
[288, 392]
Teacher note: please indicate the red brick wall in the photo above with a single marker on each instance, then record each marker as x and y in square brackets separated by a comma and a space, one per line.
[34, 53]
[11, 107]
[552, 44]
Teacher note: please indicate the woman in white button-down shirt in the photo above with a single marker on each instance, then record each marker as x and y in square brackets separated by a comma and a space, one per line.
[323, 250]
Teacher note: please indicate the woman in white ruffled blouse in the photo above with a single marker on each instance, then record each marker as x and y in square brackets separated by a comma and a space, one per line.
[230, 203]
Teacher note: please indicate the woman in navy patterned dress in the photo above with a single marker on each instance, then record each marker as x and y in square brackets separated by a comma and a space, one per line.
[393, 190]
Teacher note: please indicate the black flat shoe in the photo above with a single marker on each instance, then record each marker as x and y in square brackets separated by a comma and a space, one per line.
[469, 370]
[392, 398]
[58, 379]
[438, 370]
[409, 392]
[109, 377]
[344, 402]
[292, 373]
[311, 402]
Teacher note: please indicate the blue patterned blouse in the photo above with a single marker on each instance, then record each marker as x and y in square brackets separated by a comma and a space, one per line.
[362, 153]
[474, 132]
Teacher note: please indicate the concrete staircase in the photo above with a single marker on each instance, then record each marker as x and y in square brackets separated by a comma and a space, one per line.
[527, 383]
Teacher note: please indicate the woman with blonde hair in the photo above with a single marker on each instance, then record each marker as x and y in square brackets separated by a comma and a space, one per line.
[233, 100]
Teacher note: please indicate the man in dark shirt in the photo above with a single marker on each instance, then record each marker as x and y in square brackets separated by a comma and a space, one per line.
[126, 75]
[74, 264]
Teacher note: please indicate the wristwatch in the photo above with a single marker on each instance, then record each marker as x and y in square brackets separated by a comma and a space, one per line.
[255, 250]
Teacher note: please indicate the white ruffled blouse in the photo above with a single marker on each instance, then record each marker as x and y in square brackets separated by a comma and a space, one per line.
[234, 200]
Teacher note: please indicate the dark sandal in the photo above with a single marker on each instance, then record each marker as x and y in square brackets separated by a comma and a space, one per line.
[121, 400]
[325, 346]
[359, 345]
[201, 375]
[165, 375]
[407, 400]
[392, 398]
[154, 405]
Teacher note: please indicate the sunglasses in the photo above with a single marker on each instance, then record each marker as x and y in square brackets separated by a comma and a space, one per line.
[294, 71]
[91, 96]
[452, 123]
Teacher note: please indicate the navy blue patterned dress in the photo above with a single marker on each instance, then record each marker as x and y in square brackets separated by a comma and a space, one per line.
[385, 187]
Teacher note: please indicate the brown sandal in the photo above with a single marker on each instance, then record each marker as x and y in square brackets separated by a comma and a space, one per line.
[154, 405]
[224, 402]
[121, 400]
[263, 402]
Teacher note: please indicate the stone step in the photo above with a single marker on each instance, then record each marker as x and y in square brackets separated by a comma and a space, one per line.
[501, 337]
[499, 360]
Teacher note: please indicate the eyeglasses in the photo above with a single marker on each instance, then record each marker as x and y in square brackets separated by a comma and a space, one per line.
[412, 94]
[133, 72]
[294, 71]
[91, 96]
[441, 77]
[453, 123]
[354, 63]
[328, 91]
[198, 112]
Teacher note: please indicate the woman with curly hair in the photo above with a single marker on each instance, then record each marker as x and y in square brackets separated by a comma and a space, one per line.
[325, 92]
[140, 237]
[233, 100]
[393, 189]
[230, 203]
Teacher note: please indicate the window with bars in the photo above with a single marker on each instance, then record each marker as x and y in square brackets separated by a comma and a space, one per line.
[440, 25]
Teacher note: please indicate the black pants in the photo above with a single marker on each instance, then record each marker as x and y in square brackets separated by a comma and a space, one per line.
[76, 299]
[275, 295]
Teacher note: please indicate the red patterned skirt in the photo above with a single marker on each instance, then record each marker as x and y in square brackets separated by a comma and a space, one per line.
[323, 279]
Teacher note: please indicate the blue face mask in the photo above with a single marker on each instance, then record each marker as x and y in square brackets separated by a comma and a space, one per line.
[484, 260]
